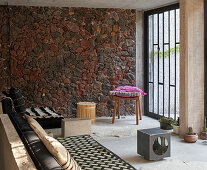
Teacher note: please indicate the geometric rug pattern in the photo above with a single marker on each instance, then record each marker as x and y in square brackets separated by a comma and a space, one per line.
[91, 155]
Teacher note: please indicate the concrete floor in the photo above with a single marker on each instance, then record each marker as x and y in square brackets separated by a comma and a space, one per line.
[126, 146]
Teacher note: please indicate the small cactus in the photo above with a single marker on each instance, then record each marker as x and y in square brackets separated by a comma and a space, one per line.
[190, 131]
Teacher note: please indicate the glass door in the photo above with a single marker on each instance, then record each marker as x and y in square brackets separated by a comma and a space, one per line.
[162, 53]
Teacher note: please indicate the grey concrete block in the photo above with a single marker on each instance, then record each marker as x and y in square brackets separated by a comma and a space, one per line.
[75, 127]
[153, 144]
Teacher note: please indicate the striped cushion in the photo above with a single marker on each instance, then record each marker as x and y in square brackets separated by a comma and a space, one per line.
[47, 117]
[35, 125]
[127, 91]
[60, 153]
[40, 112]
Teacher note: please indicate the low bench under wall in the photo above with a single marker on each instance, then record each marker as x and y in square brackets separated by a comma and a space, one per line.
[13, 154]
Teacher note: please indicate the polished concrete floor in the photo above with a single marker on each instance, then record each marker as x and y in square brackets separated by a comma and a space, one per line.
[126, 146]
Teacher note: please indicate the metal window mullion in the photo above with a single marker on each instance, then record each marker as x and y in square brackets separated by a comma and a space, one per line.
[153, 63]
[148, 59]
[158, 57]
[169, 61]
[163, 65]
[175, 66]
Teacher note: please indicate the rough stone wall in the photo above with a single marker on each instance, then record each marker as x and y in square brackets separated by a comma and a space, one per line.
[61, 56]
[4, 49]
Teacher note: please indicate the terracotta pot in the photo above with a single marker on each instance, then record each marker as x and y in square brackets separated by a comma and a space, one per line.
[176, 129]
[204, 135]
[191, 138]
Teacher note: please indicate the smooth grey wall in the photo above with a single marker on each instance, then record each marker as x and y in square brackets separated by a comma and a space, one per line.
[140, 52]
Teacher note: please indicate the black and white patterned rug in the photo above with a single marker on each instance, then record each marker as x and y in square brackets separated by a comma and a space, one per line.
[42, 112]
[90, 155]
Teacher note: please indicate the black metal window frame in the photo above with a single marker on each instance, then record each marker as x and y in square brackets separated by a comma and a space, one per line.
[146, 56]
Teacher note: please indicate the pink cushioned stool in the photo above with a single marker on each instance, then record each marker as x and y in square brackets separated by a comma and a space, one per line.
[127, 93]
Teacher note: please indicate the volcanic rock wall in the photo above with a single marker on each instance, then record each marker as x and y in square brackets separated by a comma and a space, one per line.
[4, 49]
[60, 56]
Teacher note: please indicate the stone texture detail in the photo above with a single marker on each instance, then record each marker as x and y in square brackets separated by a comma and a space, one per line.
[61, 56]
[4, 49]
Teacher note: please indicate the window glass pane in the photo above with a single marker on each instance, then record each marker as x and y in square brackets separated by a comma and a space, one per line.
[177, 79]
[161, 30]
[166, 28]
[155, 79]
[177, 25]
[172, 102]
[166, 80]
[160, 99]
[155, 29]
[172, 47]
[161, 48]
[150, 22]
[151, 97]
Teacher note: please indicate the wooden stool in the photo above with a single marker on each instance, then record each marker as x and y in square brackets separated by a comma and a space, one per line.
[138, 105]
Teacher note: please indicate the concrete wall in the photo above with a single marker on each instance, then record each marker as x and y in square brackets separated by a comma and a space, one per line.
[13, 154]
[140, 52]
[191, 65]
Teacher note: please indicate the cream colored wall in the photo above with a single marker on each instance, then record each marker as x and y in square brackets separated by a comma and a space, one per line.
[191, 65]
[13, 154]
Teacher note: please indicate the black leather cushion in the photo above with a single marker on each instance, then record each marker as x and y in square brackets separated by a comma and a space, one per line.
[50, 123]
[14, 93]
[18, 100]
[7, 105]
[20, 123]
[41, 157]
[20, 109]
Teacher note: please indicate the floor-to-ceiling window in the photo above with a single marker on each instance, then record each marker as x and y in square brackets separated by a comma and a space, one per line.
[162, 53]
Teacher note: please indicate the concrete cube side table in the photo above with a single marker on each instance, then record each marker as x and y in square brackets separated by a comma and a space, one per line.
[153, 144]
[75, 127]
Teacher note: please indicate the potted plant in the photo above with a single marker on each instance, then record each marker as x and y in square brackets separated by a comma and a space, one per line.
[176, 126]
[166, 123]
[204, 132]
[190, 137]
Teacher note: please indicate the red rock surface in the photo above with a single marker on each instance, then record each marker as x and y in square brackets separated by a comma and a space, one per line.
[61, 56]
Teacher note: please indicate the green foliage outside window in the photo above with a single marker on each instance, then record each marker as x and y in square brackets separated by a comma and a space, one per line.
[166, 53]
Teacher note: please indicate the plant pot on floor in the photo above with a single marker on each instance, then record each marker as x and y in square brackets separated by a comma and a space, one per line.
[176, 129]
[204, 132]
[165, 126]
[204, 135]
[190, 138]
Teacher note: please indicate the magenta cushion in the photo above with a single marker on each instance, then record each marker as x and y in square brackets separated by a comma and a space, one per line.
[127, 91]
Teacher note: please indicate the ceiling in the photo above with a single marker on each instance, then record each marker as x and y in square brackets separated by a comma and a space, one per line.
[127, 4]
